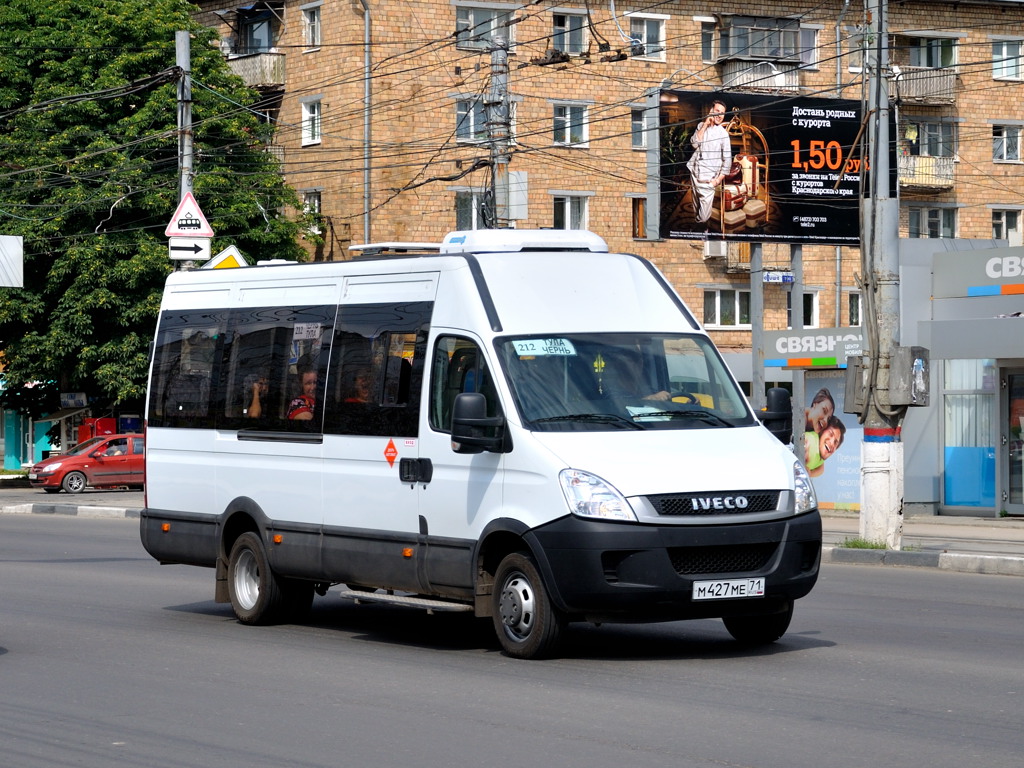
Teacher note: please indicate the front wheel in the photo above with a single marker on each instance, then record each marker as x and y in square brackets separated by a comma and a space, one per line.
[73, 482]
[527, 624]
[760, 629]
[255, 592]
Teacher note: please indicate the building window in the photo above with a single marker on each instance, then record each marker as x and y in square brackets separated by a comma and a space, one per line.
[854, 44]
[1006, 60]
[647, 37]
[707, 42]
[932, 52]
[932, 222]
[764, 38]
[567, 33]
[311, 208]
[726, 308]
[931, 139]
[639, 218]
[1006, 226]
[254, 32]
[476, 28]
[853, 303]
[570, 212]
[1006, 143]
[809, 47]
[311, 122]
[637, 132]
[570, 124]
[470, 211]
[810, 313]
[311, 25]
[470, 120]
[968, 433]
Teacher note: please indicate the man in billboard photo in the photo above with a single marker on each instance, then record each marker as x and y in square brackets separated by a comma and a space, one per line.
[710, 162]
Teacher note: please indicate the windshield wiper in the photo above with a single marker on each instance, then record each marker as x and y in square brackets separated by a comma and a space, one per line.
[605, 418]
[694, 414]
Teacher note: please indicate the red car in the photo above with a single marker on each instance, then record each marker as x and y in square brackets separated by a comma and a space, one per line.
[100, 462]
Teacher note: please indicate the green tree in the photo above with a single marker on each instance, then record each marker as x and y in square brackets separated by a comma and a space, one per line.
[89, 178]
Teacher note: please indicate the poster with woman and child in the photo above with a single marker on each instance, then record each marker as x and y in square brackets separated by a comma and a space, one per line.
[832, 441]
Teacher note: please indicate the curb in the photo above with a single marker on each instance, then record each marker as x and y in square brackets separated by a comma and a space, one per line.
[1001, 565]
[71, 510]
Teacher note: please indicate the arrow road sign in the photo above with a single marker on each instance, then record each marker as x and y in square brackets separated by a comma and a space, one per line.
[189, 249]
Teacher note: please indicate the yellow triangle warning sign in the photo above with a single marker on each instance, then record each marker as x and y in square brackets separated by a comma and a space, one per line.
[188, 220]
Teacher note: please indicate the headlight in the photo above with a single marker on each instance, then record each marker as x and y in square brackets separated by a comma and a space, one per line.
[50, 467]
[806, 500]
[589, 496]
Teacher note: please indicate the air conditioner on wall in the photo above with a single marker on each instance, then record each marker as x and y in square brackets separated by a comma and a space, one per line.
[715, 249]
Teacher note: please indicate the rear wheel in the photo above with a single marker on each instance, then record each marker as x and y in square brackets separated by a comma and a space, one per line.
[527, 624]
[255, 592]
[73, 482]
[759, 629]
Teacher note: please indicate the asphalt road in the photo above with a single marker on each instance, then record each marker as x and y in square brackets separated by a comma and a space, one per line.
[109, 660]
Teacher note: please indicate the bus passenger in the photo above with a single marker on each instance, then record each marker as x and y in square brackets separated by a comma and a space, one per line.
[301, 408]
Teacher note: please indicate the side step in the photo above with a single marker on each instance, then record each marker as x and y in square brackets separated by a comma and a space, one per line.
[430, 605]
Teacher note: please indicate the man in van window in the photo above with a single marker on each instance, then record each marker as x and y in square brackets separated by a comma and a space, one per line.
[622, 376]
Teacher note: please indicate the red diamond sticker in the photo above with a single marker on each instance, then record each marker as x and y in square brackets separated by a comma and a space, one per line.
[391, 453]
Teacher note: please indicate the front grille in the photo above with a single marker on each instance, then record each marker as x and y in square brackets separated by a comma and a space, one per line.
[702, 504]
[742, 558]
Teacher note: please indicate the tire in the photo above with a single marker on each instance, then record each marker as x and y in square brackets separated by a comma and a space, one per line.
[759, 629]
[527, 624]
[73, 482]
[255, 592]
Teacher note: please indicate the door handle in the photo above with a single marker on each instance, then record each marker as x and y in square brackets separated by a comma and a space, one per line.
[414, 471]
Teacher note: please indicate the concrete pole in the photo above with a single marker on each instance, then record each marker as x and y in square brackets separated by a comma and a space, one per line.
[881, 517]
[498, 129]
[796, 259]
[183, 58]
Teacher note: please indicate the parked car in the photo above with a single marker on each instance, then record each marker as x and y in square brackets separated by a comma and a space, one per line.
[100, 462]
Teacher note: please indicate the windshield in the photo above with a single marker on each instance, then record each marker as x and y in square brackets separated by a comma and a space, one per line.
[85, 447]
[590, 382]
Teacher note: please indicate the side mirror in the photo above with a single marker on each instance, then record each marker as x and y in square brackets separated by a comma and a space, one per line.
[778, 415]
[470, 423]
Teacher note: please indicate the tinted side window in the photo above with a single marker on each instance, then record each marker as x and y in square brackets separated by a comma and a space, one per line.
[376, 370]
[274, 368]
[184, 370]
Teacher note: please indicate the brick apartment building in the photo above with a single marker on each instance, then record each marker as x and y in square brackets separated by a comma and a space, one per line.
[383, 130]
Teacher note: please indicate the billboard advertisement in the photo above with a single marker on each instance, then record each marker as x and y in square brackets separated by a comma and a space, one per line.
[832, 442]
[761, 168]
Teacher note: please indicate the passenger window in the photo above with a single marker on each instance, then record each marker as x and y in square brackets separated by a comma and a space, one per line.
[376, 372]
[459, 366]
[184, 369]
[275, 368]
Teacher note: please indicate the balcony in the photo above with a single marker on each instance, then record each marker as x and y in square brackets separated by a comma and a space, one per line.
[259, 70]
[760, 75]
[923, 85]
[922, 173]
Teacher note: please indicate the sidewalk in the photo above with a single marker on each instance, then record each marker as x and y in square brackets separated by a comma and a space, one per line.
[965, 544]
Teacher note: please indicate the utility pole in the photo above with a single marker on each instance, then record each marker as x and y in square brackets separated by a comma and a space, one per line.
[498, 130]
[881, 509]
[183, 58]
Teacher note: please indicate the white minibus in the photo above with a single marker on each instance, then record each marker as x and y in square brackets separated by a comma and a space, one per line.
[517, 424]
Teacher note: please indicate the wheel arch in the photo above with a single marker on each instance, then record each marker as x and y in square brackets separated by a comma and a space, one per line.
[500, 538]
[242, 515]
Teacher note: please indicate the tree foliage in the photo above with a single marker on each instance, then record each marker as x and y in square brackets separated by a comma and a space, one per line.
[89, 178]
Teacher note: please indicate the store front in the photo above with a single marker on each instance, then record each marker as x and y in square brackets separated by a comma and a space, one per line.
[977, 335]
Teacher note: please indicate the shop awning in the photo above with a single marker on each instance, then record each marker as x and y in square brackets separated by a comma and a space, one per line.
[62, 414]
[973, 339]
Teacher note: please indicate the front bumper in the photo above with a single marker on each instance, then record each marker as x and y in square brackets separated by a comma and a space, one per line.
[625, 571]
